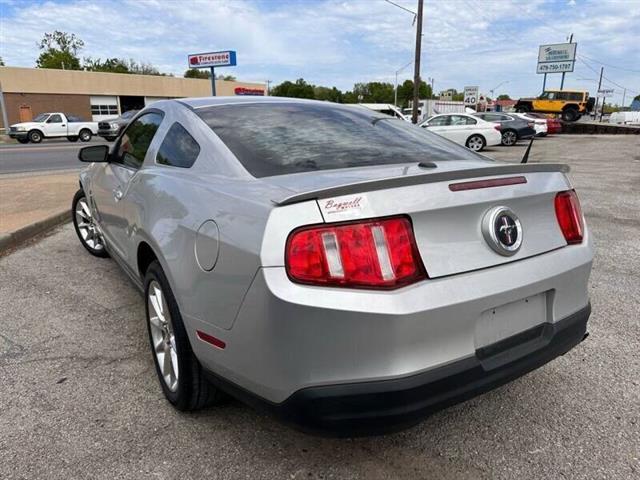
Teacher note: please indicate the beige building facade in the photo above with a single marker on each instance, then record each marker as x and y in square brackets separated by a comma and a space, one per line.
[99, 96]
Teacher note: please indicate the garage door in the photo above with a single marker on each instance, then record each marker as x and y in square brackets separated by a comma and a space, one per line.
[104, 107]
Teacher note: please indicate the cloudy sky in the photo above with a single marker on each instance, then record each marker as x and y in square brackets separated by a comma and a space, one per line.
[339, 42]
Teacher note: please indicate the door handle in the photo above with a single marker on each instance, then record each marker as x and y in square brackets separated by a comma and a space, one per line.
[117, 194]
[63, 125]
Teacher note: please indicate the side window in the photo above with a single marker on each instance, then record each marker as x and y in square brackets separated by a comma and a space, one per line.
[576, 96]
[136, 139]
[55, 119]
[178, 148]
[440, 121]
[458, 120]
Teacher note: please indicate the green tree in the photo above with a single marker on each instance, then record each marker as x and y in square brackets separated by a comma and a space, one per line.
[1, 62]
[372, 92]
[637, 97]
[113, 65]
[299, 89]
[228, 78]
[504, 96]
[59, 50]
[405, 92]
[328, 94]
[197, 73]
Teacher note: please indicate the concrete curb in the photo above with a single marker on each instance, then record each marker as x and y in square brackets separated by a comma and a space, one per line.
[13, 239]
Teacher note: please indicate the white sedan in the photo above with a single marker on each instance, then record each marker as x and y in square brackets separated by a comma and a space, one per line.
[472, 132]
[539, 122]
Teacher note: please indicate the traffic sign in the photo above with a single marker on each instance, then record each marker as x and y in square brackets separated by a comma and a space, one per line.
[471, 95]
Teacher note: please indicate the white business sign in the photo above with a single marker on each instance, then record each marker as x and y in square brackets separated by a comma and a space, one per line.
[605, 92]
[556, 58]
[471, 95]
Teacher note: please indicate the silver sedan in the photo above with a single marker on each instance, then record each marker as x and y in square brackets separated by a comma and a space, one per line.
[347, 271]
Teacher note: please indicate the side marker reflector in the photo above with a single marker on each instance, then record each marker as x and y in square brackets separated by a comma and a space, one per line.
[205, 337]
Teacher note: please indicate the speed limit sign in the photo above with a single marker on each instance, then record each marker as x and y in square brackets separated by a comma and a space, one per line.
[471, 95]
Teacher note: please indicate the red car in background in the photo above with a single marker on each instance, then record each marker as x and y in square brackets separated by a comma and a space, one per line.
[553, 124]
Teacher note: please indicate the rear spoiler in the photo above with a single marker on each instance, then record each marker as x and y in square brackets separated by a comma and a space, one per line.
[423, 178]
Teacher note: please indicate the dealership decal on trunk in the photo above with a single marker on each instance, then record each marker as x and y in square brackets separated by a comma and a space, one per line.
[346, 206]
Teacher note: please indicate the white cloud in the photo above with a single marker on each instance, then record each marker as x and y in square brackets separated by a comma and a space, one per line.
[339, 42]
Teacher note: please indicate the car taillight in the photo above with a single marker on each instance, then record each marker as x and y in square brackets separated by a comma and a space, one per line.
[379, 254]
[498, 127]
[530, 124]
[569, 216]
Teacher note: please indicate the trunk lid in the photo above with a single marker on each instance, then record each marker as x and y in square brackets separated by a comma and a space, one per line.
[450, 222]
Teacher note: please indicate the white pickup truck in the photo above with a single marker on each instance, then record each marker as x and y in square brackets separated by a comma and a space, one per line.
[52, 125]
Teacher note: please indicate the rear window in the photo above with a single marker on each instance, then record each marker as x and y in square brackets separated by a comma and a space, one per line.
[282, 138]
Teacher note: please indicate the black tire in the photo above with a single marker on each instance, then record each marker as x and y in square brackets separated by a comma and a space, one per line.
[85, 135]
[193, 391]
[509, 138]
[476, 143]
[72, 139]
[23, 140]
[35, 136]
[96, 252]
[570, 114]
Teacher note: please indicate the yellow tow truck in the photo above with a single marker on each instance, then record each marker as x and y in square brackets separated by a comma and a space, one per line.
[570, 104]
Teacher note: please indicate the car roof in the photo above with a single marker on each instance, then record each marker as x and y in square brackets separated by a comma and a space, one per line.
[201, 102]
[569, 91]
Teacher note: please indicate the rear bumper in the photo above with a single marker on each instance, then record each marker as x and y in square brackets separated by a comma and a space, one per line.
[376, 407]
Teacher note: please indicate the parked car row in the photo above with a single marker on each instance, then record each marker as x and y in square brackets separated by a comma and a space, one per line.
[58, 124]
[479, 130]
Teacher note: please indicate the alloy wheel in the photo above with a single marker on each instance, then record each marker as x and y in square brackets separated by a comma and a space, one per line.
[162, 335]
[509, 138]
[87, 226]
[475, 143]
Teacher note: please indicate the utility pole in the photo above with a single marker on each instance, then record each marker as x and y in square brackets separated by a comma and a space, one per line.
[268, 82]
[624, 95]
[416, 75]
[5, 120]
[595, 108]
[213, 82]
[563, 73]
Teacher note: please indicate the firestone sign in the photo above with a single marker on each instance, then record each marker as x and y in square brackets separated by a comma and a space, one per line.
[556, 58]
[225, 58]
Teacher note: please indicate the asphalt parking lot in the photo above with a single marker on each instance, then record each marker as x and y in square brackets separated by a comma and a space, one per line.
[79, 397]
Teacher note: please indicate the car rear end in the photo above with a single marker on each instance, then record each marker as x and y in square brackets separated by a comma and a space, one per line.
[387, 292]
[554, 126]
[394, 303]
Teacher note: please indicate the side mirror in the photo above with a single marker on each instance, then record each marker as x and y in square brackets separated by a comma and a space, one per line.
[94, 153]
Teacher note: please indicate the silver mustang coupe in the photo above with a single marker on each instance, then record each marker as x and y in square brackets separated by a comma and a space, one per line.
[346, 271]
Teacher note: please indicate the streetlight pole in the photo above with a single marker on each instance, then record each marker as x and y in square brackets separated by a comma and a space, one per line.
[395, 98]
[563, 73]
[416, 72]
[497, 86]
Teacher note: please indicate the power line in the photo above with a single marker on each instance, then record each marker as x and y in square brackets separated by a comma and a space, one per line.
[580, 57]
[609, 65]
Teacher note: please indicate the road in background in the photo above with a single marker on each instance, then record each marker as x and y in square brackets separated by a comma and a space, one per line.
[45, 156]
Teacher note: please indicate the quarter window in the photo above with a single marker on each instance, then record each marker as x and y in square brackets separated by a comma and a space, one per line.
[55, 119]
[136, 139]
[178, 149]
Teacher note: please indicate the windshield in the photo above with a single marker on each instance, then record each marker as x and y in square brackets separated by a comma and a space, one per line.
[283, 138]
[41, 118]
